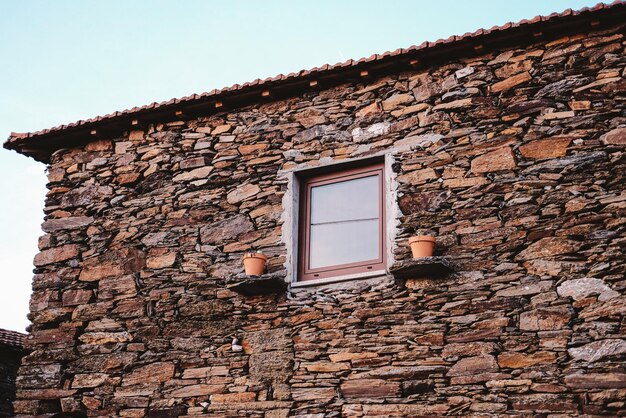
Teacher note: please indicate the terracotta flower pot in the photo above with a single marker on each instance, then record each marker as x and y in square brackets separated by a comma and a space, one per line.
[422, 246]
[254, 263]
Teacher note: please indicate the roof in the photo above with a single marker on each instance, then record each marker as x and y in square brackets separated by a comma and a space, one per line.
[41, 144]
[12, 338]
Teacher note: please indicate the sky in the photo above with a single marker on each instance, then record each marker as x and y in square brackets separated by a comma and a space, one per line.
[65, 60]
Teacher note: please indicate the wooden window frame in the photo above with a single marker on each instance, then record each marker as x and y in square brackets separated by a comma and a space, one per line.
[306, 184]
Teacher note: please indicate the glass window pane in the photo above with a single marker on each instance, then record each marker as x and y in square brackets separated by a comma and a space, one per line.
[342, 243]
[346, 200]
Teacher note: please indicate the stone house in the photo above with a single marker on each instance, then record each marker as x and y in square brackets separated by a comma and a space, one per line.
[507, 143]
[11, 351]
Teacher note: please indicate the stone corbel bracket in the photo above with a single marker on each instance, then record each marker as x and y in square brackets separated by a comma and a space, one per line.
[265, 284]
[422, 268]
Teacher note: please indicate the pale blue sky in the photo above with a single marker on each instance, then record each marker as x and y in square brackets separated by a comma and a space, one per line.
[66, 60]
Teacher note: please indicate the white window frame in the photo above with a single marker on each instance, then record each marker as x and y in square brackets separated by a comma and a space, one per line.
[291, 209]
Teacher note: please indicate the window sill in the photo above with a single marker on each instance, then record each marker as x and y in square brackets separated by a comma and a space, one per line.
[330, 280]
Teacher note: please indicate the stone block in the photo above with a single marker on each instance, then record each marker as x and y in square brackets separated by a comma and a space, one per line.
[615, 137]
[474, 365]
[492, 161]
[510, 360]
[598, 350]
[57, 254]
[61, 224]
[545, 148]
[545, 319]
[152, 373]
[113, 263]
[510, 82]
[370, 388]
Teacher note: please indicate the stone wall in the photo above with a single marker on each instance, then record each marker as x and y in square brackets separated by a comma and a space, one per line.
[515, 159]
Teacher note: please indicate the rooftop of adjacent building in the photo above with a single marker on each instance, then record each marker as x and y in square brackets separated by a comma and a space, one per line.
[11, 338]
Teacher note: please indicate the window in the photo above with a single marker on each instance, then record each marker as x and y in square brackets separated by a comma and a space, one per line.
[342, 223]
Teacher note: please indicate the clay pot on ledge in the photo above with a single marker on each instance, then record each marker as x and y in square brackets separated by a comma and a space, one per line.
[254, 263]
[422, 245]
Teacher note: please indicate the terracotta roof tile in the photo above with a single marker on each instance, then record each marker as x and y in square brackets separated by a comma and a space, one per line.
[12, 338]
[16, 140]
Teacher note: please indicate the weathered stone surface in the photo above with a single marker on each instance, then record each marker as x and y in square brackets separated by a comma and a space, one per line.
[510, 82]
[76, 222]
[311, 118]
[351, 356]
[585, 287]
[84, 196]
[200, 390]
[456, 104]
[117, 287]
[151, 373]
[497, 160]
[468, 349]
[545, 148]
[242, 193]
[549, 247]
[424, 92]
[317, 394]
[394, 410]
[596, 381]
[474, 365]
[522, 361]
[396, 100]
[221, 129]
[574, 162]
[194, 162]
[562, 87]
[196, 174]
[112, 263]
[598, 350]
[401, 373]
[526, 289]
[76, 297]
[161, 261]
[370, 388]
[310, 134]
[418, 176]
[233, 397]
[276, 366]
[89, 380]
[97, 338]
[615, 137]
[540, 267]
[57, 254]
[543, 403]
[128, 178]
[228, 229]
[266, 340]
[369, 132]
[545, 319]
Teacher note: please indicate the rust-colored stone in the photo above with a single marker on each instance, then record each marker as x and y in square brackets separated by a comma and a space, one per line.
[497, 160]
[545, 319]
[57, 254]
[369, 388]
[545, 148]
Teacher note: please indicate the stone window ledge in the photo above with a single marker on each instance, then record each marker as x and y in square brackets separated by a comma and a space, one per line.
[258, 285]
[338, 279]
[422, 268]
